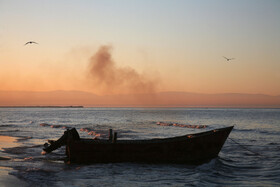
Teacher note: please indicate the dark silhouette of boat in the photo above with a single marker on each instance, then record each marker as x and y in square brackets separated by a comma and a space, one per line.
[189, 149]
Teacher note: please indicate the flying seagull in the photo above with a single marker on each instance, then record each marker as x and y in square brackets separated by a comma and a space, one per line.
[30, 42]
[228, 59]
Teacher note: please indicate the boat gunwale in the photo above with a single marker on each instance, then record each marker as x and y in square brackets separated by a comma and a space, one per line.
[154, 140]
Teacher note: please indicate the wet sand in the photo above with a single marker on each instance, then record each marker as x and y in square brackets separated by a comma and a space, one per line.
[9, 180]
[7, 141]
[5, 178]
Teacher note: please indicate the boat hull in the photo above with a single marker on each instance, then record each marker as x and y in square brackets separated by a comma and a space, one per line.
[189, 149]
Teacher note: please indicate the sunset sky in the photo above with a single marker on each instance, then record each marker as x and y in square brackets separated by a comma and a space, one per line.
[144, 45]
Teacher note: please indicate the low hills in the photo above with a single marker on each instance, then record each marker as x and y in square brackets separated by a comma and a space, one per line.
[161, 99]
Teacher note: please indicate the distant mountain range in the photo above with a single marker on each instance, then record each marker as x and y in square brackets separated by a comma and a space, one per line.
[161, 99]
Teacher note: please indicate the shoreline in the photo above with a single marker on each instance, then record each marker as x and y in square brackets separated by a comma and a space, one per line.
[7, 142]
[7, 179]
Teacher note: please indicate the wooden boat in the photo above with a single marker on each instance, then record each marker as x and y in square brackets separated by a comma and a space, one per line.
[190, 149]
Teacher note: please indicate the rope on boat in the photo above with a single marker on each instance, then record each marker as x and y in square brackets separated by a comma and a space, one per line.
[244, 147]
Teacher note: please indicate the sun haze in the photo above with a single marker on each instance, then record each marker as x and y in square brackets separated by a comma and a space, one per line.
[140, 47]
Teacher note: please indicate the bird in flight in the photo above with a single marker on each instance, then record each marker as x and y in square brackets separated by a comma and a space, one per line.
[228, 59]
[30, 42]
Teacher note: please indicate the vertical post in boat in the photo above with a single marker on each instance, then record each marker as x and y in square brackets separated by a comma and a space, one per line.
[115, 137]
[110, 135]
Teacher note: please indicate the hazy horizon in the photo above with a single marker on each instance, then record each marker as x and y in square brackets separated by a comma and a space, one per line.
[160, 99]
[171, 91]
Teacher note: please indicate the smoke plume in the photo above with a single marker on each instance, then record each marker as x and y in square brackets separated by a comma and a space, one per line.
[110, 79]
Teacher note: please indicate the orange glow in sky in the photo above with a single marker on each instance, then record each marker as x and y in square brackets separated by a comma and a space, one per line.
[153, 46]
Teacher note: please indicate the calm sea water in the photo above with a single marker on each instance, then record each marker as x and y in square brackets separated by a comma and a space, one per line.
[250, 157]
